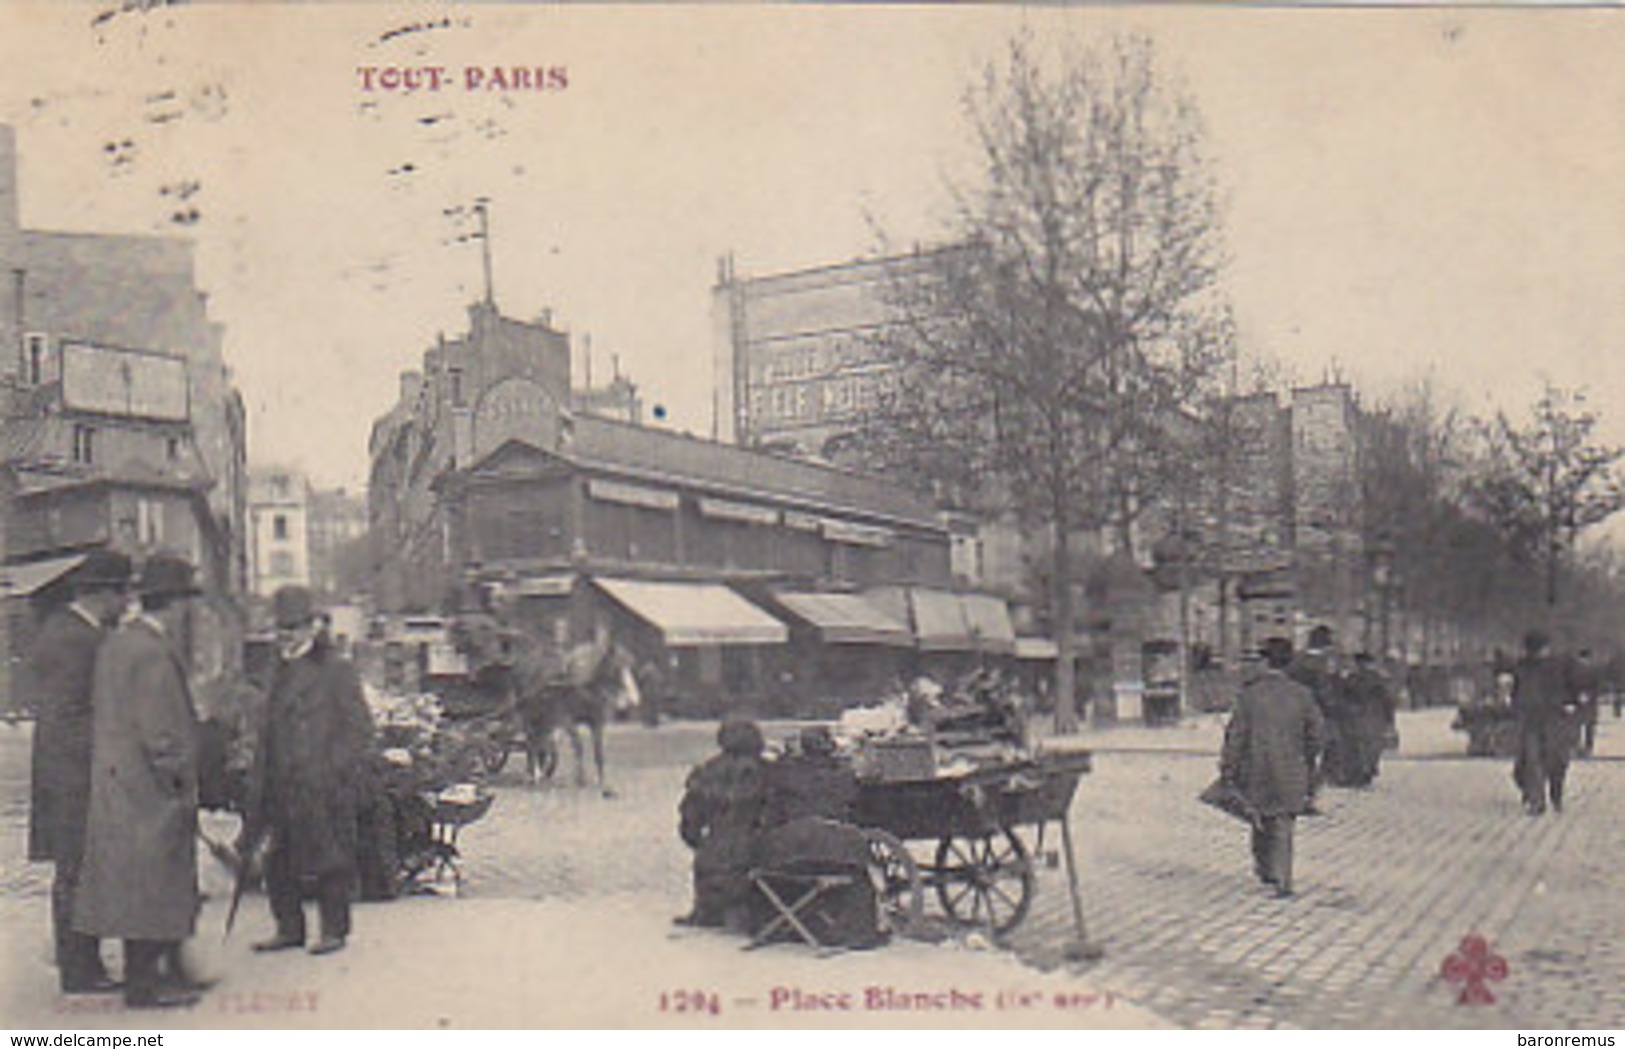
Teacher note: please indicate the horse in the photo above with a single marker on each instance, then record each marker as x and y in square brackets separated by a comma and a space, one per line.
[563, 693]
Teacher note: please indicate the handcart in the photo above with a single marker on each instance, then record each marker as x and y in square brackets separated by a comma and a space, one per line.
[435, 855]
[988, 825]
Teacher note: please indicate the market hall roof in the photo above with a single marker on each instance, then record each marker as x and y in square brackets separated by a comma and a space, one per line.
[657, 457]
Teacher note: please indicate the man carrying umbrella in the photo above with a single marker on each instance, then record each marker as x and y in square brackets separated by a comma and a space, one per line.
[139, 879]
[62, 666]
[310, 777]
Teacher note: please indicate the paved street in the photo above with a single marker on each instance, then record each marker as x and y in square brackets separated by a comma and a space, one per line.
[1390, 880]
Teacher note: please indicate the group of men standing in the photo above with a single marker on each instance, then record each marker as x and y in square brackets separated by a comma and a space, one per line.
[115, 776]
[1358, 706]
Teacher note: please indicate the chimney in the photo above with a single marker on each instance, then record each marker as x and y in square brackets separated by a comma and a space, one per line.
[10, 211]
[411, 384]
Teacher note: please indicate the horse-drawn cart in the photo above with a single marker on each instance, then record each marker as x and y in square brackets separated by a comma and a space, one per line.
[987, 824]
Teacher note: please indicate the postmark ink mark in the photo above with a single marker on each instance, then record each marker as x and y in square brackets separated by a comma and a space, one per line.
[1474, 966]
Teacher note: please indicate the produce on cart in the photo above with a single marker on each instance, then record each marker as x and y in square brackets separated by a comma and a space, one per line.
[428, 773]
[954, 767]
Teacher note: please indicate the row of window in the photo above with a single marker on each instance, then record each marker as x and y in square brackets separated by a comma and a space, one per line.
[85, 443]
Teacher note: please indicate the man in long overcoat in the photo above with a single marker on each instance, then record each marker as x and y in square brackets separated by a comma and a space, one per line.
[139, 880]
[1370, 704]
[1316, 669]
[1544, 706]
[62, 665]
[1271, 746]
[311, 777]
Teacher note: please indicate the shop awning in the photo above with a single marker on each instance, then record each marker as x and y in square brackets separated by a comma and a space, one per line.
[1036, 648]
[989, 620]
[556, 585]
[24, 580]
[939, 622]
[847, 619]
[693, 614]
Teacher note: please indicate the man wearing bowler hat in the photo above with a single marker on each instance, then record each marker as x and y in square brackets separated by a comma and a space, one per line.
[1271, 744]
[61, 666]
[310, 777]
[139, 880]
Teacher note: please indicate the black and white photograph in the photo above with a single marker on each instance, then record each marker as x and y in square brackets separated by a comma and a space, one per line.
[739, 516]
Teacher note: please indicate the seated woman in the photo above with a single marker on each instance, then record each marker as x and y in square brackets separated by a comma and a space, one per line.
[808, 830]
[720, 818]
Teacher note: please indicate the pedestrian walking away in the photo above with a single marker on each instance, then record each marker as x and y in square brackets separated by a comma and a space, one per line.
[1370, 703]
[1317, 670]
[62, 667]
[1545, 708]
[1585, 681]
[139, 879]
[1271, 748]
[310, 779]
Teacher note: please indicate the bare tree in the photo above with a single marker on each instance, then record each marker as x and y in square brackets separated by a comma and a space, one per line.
[1548, 480]
[1043, 359]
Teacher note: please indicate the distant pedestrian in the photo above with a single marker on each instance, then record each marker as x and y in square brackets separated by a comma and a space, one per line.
[1317, 670]
[1584, 685]
[1544, 707]
[139, 880]
[720, 818]
[1370, 704]
[310, 778]
[1271, 745]
[62, 666]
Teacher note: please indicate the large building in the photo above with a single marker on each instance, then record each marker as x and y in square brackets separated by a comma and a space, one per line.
[120, 424]
[797, 362]
[720, 559]
[800, 364]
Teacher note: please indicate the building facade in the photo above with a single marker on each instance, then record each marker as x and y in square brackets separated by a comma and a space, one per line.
[279, 514]
[121, 426]
[698, 555]
[798, 362]
[337, 520]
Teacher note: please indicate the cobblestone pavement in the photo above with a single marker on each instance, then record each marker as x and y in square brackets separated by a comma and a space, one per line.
[1390, 880]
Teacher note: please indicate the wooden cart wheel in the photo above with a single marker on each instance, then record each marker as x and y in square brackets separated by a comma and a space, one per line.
[986, 881]
[899, 891]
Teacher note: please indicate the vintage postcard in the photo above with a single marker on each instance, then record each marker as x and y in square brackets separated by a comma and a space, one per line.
[741, 516]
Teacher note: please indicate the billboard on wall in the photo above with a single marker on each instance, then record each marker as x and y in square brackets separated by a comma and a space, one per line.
[123, 382]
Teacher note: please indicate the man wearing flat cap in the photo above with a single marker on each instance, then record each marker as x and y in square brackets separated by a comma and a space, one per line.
[310, 777]
[61, 666]
[139, 880]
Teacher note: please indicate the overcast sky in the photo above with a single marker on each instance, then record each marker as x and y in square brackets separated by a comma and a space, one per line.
[1408, 192]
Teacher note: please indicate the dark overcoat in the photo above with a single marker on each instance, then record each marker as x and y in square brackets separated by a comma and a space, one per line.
[1544, 703]
[61, 666]
[720, 818]
[139, 879]
[1272, 743]
[313, 761]
[810, 785]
